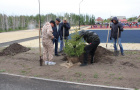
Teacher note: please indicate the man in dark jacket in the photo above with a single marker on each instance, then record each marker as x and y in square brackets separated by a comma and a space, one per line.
[56, 36]
[65, 26]
[93, 39]
[116, 26]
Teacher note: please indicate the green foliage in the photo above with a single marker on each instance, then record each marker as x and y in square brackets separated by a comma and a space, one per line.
[12, 23]
[95, 75]
[2, 70]
[138, 20]
[73, 47]
[132, 19]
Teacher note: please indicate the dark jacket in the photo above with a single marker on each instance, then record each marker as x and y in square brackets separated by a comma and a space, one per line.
[66, 29]
[55, 33]
[90, 36]
[115, 27]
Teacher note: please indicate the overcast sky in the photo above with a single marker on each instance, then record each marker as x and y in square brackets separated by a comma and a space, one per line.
[100, 8]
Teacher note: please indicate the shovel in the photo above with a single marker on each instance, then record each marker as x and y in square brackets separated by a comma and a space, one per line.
[41, 60]
[107, 36]
[116, 53]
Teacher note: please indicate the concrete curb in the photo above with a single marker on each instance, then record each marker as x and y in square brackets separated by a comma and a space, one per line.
[60, 81]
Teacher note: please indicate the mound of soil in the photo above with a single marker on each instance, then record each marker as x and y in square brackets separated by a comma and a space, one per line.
[129, 64]
[102, 55]
[13, 49]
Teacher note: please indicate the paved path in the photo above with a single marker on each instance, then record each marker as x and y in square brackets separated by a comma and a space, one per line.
[23, 39]
[10, 82]
[18, 41]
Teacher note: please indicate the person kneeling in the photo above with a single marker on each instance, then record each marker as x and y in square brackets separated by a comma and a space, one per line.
[93, 39]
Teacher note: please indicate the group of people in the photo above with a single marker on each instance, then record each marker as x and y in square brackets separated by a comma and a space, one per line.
[51, 32]
[54, 30]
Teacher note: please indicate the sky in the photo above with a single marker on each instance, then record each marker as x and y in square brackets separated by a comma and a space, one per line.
[98, 8]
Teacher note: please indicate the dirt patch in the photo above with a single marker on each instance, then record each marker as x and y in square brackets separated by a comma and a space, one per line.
[13, 49]
[102, 55]
[114, 74]
[129, 64]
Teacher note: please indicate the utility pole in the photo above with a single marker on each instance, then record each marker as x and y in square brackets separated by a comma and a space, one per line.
[79, 13]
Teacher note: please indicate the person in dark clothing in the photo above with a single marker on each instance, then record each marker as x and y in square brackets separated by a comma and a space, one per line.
[115, 35]
[93, 39]
[64, 26]
[56, 36]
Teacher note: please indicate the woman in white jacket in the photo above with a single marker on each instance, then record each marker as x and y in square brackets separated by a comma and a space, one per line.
[48, 48]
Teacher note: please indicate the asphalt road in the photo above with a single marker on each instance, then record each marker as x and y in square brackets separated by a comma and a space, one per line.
[10, 82]
[128, 36]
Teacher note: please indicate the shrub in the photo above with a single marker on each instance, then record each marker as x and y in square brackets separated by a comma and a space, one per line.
[73, 47]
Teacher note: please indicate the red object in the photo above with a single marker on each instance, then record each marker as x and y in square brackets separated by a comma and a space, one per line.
[99, 19]
[123, 20]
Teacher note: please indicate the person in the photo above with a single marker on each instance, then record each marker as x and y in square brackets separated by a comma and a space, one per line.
[48, 48]
[137, 25]
[65, 26]
[114, 34]
[56, 36]
[93, 39]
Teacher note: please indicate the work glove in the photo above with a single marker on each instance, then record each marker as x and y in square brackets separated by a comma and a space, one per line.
[64, 25]
[110, 38]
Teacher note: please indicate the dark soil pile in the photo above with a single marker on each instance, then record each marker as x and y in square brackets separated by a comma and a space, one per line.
[102, 55]
[129, 64]
[13, 49]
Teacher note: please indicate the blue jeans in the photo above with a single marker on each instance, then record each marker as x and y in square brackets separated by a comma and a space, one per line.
[121, 47]
[55, 41]
[62, 43]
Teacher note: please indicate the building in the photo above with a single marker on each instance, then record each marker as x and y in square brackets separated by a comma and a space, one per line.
[121, 18]
[99, 20]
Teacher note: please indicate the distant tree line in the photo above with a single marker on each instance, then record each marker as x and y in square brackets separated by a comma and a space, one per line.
[8, 23]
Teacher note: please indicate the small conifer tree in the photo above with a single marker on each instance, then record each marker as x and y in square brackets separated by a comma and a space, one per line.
[73, 47]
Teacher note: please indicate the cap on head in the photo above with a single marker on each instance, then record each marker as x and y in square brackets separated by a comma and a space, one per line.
[65, 19]
[58, 19]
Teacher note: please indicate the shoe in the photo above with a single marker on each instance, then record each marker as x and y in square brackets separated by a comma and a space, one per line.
[83, 64]
[116, 53]
[51, 63]
[46, 62]
[60, 51]
[57, 55]
[122, 54]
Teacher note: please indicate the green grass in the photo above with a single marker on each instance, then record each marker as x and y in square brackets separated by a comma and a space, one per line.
[130, 52]
[112, 74]
[119, 78]
[36, 75]
[96, 75]
[3, 70]
[78, 74]
[24, 72]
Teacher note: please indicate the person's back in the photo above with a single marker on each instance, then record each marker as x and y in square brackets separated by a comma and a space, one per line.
[47, 31]
[93, 40]
[90, 36]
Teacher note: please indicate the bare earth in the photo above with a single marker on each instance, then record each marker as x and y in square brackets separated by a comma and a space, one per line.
[124, 72]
